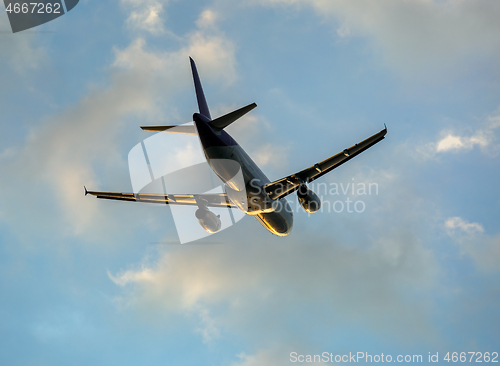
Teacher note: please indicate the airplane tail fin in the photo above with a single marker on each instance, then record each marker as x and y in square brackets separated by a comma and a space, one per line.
[223, 121]
[202, 103]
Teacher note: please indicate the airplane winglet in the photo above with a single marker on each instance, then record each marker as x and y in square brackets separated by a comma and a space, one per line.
[85, 190]
[385, 127]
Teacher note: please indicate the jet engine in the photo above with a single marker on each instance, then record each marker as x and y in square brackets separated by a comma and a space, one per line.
[308, 199]
[209, 221]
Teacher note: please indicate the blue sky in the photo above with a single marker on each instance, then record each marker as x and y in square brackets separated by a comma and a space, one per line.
[85, 281]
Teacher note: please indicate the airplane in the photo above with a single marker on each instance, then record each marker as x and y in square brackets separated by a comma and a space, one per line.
[263, 199]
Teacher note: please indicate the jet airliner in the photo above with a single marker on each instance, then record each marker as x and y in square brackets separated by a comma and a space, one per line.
[254, 194]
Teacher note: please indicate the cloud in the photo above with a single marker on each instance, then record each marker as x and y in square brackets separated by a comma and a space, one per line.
[148, 19]
[146, 15]
[485, 137]
[272, 155]
[417, 37]
[451, 142]
[65, 150]
[484, 249]
[208, 18]
[261, 284]
[458, 223]
[215, 51]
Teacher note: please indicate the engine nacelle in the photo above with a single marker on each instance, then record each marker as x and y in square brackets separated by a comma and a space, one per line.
[209, 221]
[309, 201]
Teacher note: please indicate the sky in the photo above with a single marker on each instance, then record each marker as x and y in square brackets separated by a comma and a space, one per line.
[85, 281]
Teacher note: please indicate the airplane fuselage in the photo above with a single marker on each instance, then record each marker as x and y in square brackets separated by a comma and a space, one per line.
[247, 193]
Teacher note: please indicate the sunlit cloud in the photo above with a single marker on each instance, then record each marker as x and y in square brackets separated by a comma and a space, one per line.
[484, 137]
[208, 18]
[256, 281]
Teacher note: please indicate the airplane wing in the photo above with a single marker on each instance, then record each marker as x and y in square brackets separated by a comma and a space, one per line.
[206, 200]
[284, 186]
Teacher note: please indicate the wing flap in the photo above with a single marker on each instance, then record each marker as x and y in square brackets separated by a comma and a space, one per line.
[285, 186]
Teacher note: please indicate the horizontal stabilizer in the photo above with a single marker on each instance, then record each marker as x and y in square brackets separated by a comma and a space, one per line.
[227, 119]
[184, 130]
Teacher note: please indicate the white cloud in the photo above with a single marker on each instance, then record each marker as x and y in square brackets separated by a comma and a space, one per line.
[146, 15]
[484, 249]
[208, 18]
[467, 227]
[148, 19]
[417, 37]
[451, 142]
[215, 52]
[484, 137]
[481, 138]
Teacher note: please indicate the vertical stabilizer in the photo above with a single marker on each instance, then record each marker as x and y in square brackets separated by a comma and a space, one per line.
[202, 103]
